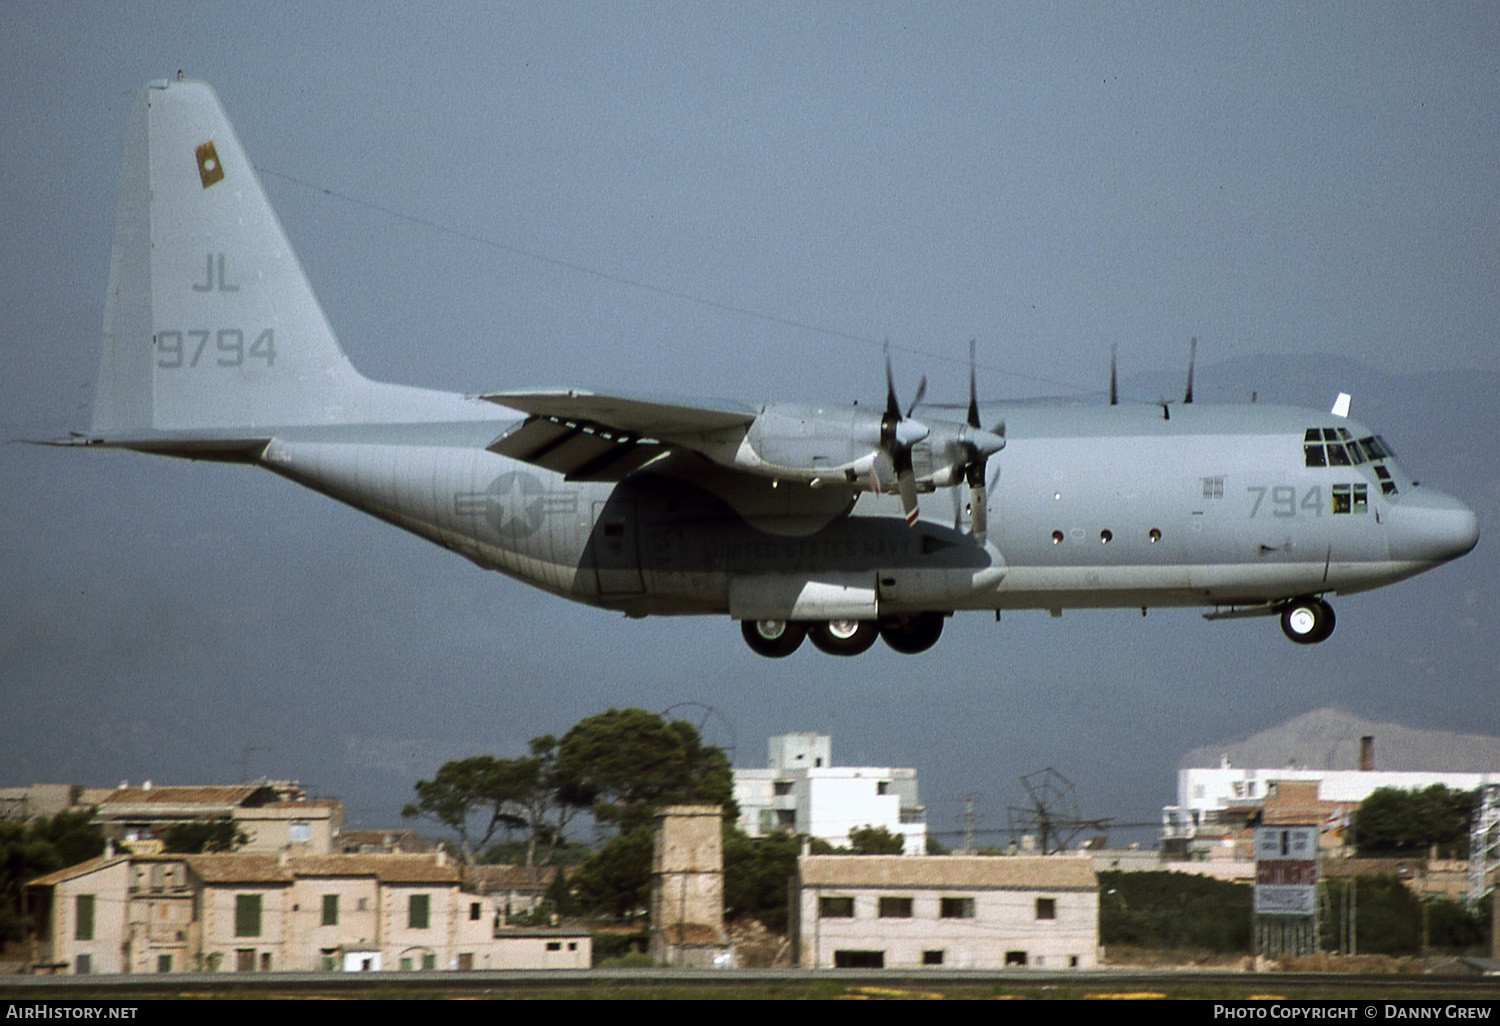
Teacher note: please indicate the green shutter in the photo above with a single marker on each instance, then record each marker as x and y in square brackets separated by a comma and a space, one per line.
[247, 915]
[330, 910]
[417, 910]
[83, 917]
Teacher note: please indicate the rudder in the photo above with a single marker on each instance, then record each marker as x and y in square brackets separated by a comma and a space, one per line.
[210, 324]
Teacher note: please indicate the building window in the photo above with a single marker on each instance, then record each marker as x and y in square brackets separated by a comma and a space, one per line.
[895, 908]
[1015, 958]
[429, 961]
[163, 963]
[247, 915]
[83, 917]
[836, 908]
[883, 787]
[418, 909]
[781, 788]
[859, 959]
[956, 908]
[84, 965]
[1046, 908]
[554, 945]
[299, 833]
[330, 910]
[475, 910]
[932, 958]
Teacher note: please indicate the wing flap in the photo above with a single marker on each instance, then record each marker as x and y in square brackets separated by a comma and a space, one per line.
[580, 451]
[643, 416]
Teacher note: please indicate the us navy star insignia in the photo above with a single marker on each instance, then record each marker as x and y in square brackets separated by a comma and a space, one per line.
[515, 505]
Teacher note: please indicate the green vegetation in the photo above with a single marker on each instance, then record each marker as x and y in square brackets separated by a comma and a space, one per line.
[211, 835]
[1174, 910]
[620, 766]
[481, 796]
[865, 840]
[28, 851]
[1391, 920]
[756, 874]
[1394, 822]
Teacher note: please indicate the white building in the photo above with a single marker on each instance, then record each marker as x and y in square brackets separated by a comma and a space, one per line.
[1208, 796]
[951, 911]
[802, 792]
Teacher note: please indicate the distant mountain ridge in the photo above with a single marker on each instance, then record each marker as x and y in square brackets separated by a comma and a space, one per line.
[1328, 739]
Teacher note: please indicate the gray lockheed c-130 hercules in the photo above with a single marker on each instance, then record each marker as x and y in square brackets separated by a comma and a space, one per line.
[797, 520]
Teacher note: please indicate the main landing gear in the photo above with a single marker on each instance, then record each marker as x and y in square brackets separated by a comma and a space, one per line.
[908, 634]
[1307, 621]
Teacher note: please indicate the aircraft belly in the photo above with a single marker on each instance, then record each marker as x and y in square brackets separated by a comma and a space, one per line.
[499, 514]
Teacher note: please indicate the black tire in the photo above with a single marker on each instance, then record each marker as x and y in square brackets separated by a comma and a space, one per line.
[843, 637]
[772, 638]
[912, 634]
[1307, 621]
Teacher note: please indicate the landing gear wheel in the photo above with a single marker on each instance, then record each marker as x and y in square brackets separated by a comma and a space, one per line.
[843, 637]
[772, 638]
[912, 634]
[1307, 621]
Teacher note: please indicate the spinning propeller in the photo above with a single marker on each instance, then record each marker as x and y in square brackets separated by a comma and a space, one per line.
[897, 436]
[962, 451]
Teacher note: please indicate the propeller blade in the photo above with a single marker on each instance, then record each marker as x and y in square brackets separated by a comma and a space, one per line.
[892, 407]
[978, 502]
[1187, 396]
[1114, 381]
[973, 390]
[921, 391]
[907, 482]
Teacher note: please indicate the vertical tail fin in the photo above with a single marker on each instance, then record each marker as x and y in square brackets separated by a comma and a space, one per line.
[210, 324]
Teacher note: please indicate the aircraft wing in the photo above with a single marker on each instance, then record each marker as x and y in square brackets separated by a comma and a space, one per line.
[587, 436]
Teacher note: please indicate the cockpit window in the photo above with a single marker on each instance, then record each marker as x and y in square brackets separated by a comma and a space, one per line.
[1336, 447]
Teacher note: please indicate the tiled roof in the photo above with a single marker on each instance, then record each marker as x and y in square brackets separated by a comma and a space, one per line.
[209, 795]
[418, 869]
[1030, 872]
[81, 869]
[234, 869]
[512, 878]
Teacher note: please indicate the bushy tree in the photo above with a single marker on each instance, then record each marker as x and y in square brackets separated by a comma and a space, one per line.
[1396, 822]
[483, 795]
[1392, 821]
[865, 840]
[756, 873]
[28, 851]
[1174, 910]
[1387, 916]
[621, 765]
[616, 880]
[876, 840]
[626, 763]
[204, 835]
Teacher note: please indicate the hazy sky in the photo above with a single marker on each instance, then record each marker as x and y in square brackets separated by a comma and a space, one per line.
[795, 183]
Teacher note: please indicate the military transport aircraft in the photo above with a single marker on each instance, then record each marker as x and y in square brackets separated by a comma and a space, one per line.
[797, 520]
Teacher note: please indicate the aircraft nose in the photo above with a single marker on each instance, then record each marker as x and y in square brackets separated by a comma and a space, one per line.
[1431, 527]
